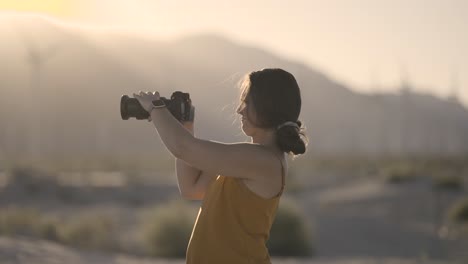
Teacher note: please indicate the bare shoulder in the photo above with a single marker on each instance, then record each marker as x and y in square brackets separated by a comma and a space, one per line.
[269, 184]
[267, 162]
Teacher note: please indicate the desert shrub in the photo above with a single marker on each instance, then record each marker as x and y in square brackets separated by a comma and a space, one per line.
[27, 222]
[30, 180]
[447, 182]
[48, 229]
[166, 231]
[458, 212]
[95, 232]
[87, 232]
[290, 233]
[19, 222]
[401, 172]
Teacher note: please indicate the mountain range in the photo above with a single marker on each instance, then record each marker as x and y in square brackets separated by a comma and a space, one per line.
[61, 87]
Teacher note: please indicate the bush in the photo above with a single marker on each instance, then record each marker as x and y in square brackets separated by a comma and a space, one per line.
[401, 172]
[290, 233]
[459, 211]
[19, 222]
[27, 222]
[447, 182]
[31, 181]
[48, 229]
[90, 232]
[167, 230]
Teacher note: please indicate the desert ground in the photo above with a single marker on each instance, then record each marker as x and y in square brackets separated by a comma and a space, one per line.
[352, 219]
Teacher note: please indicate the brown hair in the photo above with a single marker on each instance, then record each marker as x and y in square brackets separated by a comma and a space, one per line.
[276, 99]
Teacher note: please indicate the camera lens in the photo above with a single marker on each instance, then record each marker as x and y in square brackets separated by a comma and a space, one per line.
[130, 107]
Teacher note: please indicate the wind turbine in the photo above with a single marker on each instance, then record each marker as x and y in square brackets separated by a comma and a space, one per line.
[454, 87]
[36, 58]
[405, 91]
[382, 146]
[453, 142]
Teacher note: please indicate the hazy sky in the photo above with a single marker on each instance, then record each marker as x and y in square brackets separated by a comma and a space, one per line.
[367, 44]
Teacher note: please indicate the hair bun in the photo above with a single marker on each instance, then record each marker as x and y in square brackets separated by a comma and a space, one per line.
[289, 138]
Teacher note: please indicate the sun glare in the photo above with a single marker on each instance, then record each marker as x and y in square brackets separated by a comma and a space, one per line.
[52, 7]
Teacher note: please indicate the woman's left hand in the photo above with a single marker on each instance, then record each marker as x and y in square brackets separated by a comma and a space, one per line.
[146, 99]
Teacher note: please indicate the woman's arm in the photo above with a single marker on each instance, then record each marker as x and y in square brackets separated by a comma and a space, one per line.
[187, 175]
[240, 160]
[192, 181]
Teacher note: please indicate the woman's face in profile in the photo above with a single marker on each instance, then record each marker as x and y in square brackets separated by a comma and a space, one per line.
[247, 113]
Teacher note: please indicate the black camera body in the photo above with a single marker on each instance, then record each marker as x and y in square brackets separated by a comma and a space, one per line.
[179, 105]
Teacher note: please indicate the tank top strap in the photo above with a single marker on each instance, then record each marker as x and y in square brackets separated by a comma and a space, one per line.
[283, 176]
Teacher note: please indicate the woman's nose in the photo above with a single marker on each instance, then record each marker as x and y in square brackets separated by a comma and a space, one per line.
[239, 110]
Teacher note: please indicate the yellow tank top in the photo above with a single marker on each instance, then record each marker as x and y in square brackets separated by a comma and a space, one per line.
[233, 224]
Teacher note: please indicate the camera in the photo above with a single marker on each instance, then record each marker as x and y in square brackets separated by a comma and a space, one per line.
[179, 105]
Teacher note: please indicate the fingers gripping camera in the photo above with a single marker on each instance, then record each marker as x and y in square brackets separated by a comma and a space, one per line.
[179, 105]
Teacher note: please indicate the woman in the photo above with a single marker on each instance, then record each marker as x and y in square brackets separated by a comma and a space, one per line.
[240, 184]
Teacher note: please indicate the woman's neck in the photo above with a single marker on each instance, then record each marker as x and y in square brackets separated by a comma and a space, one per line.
[265, 138]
